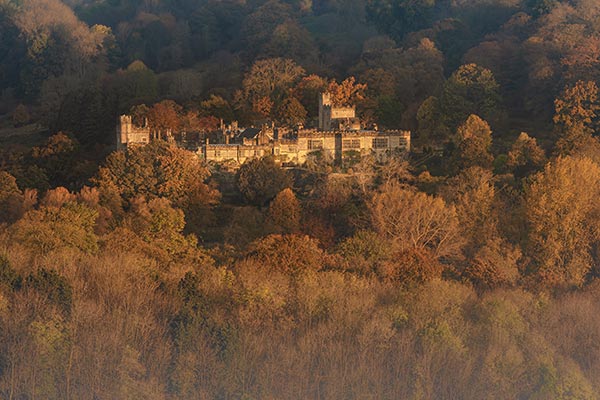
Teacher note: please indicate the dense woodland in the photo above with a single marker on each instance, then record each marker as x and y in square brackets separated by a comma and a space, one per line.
[468, 269]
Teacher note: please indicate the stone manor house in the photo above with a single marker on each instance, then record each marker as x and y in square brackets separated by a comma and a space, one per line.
[339, 136]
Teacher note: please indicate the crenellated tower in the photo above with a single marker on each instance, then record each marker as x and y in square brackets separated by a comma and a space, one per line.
[130, 134]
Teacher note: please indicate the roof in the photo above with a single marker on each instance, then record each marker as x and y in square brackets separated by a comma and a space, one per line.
[250, 133]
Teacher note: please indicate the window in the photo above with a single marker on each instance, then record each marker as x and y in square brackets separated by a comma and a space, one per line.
[315, 144]
[380, 143]
[351, 144]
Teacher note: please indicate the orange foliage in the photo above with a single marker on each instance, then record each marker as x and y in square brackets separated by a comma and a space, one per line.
[347, 93]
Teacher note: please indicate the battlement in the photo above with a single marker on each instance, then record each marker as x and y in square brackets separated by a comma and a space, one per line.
[129, 134]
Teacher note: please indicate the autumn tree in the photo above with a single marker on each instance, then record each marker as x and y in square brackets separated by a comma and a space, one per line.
[576, 114]
[57, 197]
[260, 180]
[284, 212]
[49, 228]
[156, 170]
[161, 225]
[411, 266]
[269, 80]
[347, 93]
[165, 116]
[289, 254]
[490, 261]
[525, 156]
[561, 211]
[428, 224]
[422, 237]
[263, 107]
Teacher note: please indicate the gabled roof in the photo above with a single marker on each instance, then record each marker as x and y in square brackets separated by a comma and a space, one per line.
[250, 133]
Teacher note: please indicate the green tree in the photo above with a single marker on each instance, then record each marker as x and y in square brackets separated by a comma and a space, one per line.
[431, 128]
[218, 107]
[258, 27]
[291, 111]
[54, 287]
[473, 143]
[86, 114]
[11, 198]
[525, 156]
[260, 180]
[470, 90]
[136, 84]
[291, 40]
[364, 252]
[541, 7]
[160, 225]
[399, 17]
[51, 228]
[58, 159]
[139, 114]
[307, 91]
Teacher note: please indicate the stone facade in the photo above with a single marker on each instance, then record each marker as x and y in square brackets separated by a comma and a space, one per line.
[336, 145]
[236, 152]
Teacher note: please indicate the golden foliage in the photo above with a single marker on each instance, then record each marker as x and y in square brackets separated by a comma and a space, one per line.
[561, 208]
[416, 220]
[284, 212]
[290, 254]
